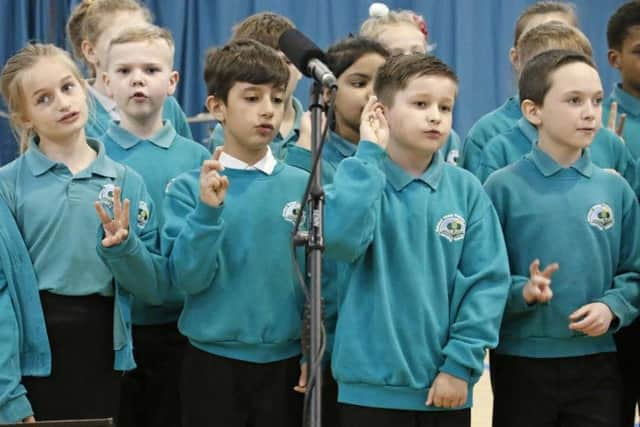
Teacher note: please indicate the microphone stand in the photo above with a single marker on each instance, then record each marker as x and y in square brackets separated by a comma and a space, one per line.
[315, 247]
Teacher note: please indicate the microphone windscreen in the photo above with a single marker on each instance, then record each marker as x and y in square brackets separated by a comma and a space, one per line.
[299, 49]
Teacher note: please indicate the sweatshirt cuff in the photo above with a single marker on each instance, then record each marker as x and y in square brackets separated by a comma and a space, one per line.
[207, 215]
[517, 303]
[15, 410]
[620, 310]
[454, 368]
[368, 150]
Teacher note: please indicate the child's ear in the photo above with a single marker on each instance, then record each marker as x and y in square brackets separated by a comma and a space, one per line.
[614, 58]
[531, 112]
[513, 57]
[107, 84]
[89, 52]
[216, 108]
[174, 78]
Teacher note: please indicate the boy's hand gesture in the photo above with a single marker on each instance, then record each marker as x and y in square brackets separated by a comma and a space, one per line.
[592, 319]
[29, 420]
[302, 380]
[613, 116]
[213, 187]
[538, 288]
[447, 391]
[373, 123]
[116, 229]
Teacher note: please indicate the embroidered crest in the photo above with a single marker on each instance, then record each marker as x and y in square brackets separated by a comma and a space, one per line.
[601, 216]
[143, 214]
[452, 157]
[452, 227]
[105, 197]
[290, 212]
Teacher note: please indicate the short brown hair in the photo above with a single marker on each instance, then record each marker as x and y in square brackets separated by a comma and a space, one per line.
[243, 61]
[394, 75]
[535, 80]
[543, 8]
[142, 34]
[552, 35]
[265, 27]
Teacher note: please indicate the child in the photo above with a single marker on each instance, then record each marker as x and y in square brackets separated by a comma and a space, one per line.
[266, 28]
[428, 274]
[24, 348]
[505, 117]
[139, 78]
[607, 151]
[556, 362]
[230, 252]
[51, 190]
[90, 28]
[405, 32]
[623, 36]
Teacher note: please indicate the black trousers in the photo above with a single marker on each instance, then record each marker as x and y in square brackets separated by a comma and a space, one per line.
[150, 394]
[628, 343]
[361, 416]
[82, 383]
[218, 391]
[559, 392]
[330, 405]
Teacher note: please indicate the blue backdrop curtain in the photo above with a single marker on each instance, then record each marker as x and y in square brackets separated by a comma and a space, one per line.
[473, 36]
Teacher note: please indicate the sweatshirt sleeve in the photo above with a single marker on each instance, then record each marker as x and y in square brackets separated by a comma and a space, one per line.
[470, 158]
[352, 202]
[623, 298]
[14, 405]
[192, 236]
[137, 264]
[479, 295]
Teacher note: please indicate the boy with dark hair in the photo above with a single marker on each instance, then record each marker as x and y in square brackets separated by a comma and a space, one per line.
[266, 28]
[428, 272]
[228, 238]
[556, 362]
[623, 37]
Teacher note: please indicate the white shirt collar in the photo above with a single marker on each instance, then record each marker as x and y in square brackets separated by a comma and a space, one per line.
[264, 165]
[107, 103]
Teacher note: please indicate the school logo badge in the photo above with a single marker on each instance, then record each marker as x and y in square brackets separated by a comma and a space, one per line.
[290, 212]
[105, 197]
[143, 214]
[601, 216]
[452, 157]
[452, 227]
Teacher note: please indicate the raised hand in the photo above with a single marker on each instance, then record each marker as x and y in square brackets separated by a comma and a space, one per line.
[302, 380]
[613, 117]
[538, 288]
[447, 391]
[373, 123]
[116, 229]
[592, 319]
[213, 186]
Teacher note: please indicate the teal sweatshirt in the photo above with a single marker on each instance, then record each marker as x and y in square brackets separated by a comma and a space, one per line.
[491, 124]
[607, 151]
[234, 263]
[584, 218]
[429, 278]
[158, 160]
[629, 105]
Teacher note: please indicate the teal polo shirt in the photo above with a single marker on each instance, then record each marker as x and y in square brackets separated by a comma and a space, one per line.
[280, 143]
[49, 203]
[630, 105]
[158, 160]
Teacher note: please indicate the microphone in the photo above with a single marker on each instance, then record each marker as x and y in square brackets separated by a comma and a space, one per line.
[307, 57]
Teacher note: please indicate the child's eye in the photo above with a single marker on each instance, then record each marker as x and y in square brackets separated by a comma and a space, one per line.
[420, 104]
[152, 70]
[278, 100]
[251, 98]
[575, 100]
[597, 101]
[67, 87]
[43, 99]
[358, 83]
[123, 71]
[445, 108]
